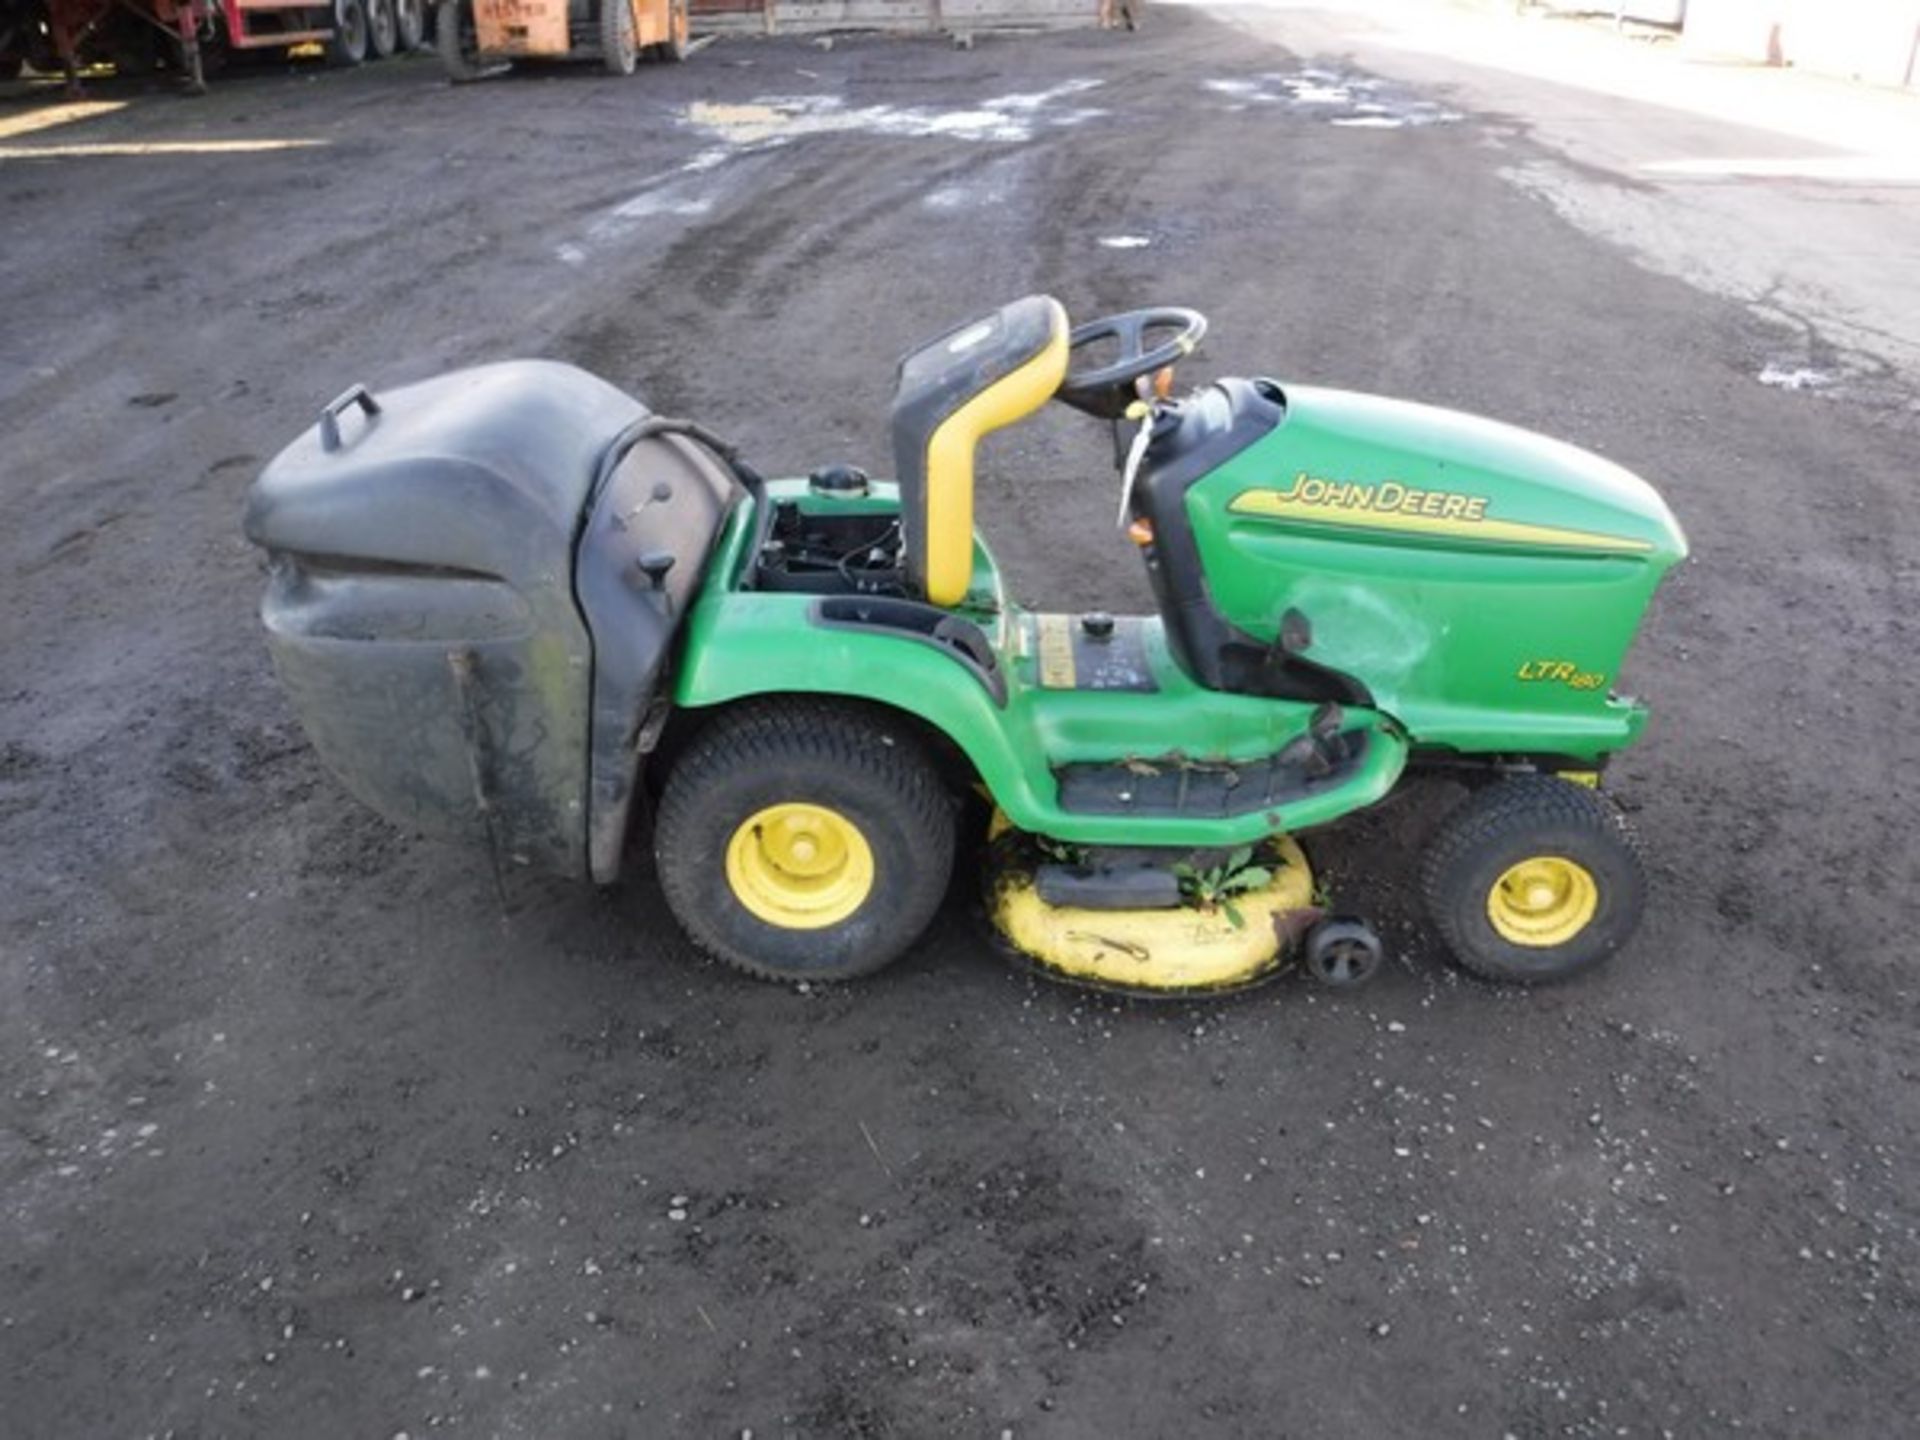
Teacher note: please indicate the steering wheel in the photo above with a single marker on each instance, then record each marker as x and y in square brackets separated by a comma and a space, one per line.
[1106, 390]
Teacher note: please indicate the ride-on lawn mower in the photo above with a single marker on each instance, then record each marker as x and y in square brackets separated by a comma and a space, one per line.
[513, 605]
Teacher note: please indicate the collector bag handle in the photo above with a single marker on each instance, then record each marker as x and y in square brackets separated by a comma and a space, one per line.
[330, 415]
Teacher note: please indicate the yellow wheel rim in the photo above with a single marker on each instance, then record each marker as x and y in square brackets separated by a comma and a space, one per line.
[801, 867]
[1542, 902]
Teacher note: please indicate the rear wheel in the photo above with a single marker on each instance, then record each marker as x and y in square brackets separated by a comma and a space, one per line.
[348, 46]
[383, 28]
[1534, 879]
[800, 840]
[617, 51]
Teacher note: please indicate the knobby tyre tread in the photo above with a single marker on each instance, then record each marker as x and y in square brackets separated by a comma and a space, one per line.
[1506, 822]
[858, 761]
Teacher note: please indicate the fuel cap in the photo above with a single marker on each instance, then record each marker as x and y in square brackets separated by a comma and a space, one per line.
[843, 482]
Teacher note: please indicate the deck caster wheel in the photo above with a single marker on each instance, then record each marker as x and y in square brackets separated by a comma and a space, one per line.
[1534, 879]
[804, 841]
[1343, 953]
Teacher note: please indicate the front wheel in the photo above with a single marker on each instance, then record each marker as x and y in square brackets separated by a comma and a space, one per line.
[1534, 879]
[803, 840]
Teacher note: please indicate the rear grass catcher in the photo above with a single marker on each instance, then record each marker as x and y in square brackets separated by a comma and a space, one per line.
[509, 602]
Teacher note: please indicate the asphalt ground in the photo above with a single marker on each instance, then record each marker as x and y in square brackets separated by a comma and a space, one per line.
[302, 1133]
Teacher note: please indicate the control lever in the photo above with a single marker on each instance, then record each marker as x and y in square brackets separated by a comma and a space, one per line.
[1315, 752]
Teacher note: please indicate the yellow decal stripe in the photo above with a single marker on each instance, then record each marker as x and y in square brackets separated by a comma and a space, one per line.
[1014, 396]
[1272, 504]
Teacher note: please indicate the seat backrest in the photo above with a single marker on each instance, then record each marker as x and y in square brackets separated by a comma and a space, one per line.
[970, 382]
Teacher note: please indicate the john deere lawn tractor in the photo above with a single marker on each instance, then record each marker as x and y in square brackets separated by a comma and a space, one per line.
[512, 605]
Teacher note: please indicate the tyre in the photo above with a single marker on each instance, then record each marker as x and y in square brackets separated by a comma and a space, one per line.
[410, 21]
[617, 52]
[1343, 953]
[348, 46]
[11, 64]
[803, 840]
[673, 49]
[383, 28]
[453, 38]
[1534, 879]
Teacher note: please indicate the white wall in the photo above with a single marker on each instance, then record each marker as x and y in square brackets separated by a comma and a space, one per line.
[1873, 40]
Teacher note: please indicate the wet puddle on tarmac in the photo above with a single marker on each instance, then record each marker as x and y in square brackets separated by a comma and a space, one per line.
[1358, 102]
[773, 120]
[751, 127]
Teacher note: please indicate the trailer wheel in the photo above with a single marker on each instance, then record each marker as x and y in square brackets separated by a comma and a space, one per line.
[617, 50]
[673, 49]
[410, 17]
[453, 38]
[348, 44]
[383, 28]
